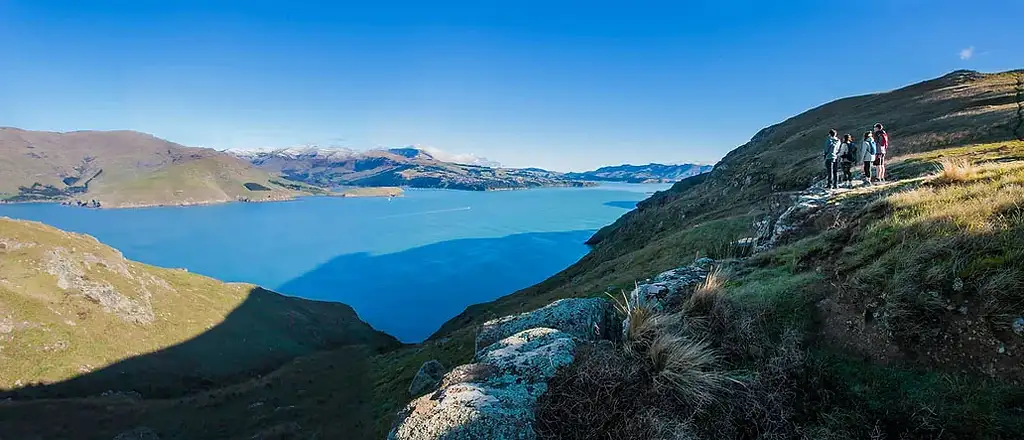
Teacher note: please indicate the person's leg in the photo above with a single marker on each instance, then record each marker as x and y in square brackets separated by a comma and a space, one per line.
[867, 171]
[829, 175]
[881, 168]
[832, 171]
[835, 174]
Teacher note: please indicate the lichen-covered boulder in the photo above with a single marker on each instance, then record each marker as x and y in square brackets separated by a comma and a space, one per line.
[427, 378]
[493, 398]
[584, 318]
[679, 282]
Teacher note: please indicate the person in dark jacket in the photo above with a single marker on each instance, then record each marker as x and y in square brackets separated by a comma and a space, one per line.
[882, 143]
[831, 155]
[847, 154]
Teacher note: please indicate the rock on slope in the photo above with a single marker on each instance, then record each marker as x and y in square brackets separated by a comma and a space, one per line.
[396, 167]
[77, 313]
[127, 168]
[494, 397]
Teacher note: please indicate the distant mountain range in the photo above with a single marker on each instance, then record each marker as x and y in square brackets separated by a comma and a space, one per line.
[650, 173]
[119, 169]
[422, 168]
[408, 166]
[128, 168]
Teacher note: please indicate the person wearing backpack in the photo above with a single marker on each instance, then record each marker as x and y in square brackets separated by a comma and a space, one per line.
[847, 151]
[882, 141]
[831, 155]
[866, 153]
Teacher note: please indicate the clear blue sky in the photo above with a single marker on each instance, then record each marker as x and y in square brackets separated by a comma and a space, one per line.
[561, 85]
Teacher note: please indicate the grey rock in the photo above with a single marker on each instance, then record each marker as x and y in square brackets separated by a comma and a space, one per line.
[71, 275]
[704, 263]
[427, 378]
[1018, 326]
[583, 318]
[668, 285]
[493, 398]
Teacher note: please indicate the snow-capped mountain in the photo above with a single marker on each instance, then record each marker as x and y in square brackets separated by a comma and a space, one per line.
[413, 166]
[650, 173]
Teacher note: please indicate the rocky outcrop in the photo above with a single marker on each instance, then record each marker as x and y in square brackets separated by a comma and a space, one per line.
[583, 318]
[494, 397]
[805, 204]
[427, 378]
[671, 284]
[71, 276]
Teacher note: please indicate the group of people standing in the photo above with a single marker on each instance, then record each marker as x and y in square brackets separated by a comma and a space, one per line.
[841, 155]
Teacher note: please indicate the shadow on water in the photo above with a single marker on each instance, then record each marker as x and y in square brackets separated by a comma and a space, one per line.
[624, 204]
[409, 294]
[265, 331]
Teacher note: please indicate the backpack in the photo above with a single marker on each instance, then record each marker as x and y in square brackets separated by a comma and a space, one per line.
[848, 155]
[882, 138]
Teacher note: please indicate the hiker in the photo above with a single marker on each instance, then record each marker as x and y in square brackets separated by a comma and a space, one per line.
[831, 155]
[882, 141]
[847, 153]
[866, 153]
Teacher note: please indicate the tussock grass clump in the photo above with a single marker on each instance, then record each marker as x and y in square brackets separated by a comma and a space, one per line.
[706, 294]
[955, 170]
[688, 368]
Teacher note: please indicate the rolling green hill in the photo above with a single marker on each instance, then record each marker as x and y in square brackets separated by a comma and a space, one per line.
[127, 168]
[77, 313]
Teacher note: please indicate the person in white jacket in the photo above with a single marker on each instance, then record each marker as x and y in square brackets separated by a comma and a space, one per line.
[867, 155]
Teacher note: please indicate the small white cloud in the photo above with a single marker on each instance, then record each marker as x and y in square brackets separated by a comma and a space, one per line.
[966, 54]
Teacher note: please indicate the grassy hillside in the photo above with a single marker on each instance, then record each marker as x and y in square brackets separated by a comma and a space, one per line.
[887, 313]
[705, 214]
[126, 168]
[75, 312]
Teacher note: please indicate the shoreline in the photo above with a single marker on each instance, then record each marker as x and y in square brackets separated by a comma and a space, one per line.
[348, 192]
[192, 203]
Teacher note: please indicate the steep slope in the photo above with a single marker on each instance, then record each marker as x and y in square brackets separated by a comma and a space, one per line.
[650, 173]
[79, 316]
[409, 166]
[126, 168]
[705, 214]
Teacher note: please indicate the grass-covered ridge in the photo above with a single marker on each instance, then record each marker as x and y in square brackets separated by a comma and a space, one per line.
[77, 313]
[892, 319]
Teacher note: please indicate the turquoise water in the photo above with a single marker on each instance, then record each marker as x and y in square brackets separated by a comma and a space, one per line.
[406, 265]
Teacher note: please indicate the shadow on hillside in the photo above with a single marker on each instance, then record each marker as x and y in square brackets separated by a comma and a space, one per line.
[409, 294]
[624, 204]
[265, 331]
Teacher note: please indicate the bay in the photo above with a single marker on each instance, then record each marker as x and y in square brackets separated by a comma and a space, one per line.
[405, 264]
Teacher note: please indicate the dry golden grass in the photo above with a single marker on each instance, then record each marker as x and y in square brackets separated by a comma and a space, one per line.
[706, 294]
[955, 170]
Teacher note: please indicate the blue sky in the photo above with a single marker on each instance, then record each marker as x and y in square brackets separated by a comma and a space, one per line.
[561, 85]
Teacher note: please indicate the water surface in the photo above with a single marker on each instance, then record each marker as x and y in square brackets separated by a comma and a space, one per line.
[406, 264]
